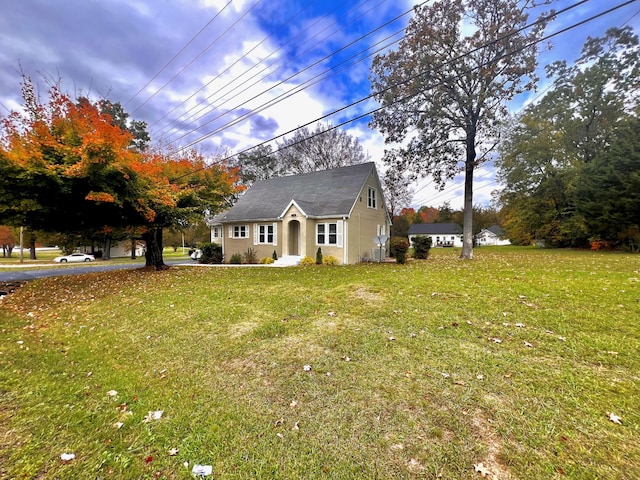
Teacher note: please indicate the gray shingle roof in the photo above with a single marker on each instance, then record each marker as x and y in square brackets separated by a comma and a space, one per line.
[435, 229]
[319, 194]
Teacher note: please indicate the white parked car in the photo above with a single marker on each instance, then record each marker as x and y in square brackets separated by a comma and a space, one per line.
[197, 253]
[75, 257]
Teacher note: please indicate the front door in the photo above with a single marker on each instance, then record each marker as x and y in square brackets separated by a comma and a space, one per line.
[294, 237]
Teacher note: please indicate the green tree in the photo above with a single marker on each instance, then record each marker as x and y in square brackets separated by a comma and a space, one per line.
[120, 118]
[547, 154]
[608, 193]
[444, 92]
[259, 163]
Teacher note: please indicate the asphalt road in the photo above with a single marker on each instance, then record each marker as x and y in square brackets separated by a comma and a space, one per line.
[34, 272]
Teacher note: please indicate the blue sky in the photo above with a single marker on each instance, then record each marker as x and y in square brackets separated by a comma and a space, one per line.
[228, 75]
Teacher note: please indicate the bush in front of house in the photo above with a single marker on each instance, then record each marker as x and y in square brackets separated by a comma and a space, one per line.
[307, 261]
[319, 256]
[274, 255]
[250, 256]
[211, 253]
[399, 247]
[421, 247]
[236, 259]
[267, 260]
[330, 260]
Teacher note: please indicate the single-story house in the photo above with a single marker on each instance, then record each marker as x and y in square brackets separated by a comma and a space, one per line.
[340, 211]
[493, 235]
[442, 234]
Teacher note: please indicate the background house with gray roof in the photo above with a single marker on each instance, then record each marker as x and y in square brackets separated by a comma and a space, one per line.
[339, 210]
[442, 234]
[493, 235]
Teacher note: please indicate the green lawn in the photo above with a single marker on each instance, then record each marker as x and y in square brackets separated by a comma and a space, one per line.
[512, 360]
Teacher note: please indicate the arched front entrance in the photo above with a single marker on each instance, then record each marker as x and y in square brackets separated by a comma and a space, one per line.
[294, 237]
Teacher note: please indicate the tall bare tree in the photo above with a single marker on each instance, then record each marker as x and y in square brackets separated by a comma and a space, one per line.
[444, 91]
[320, 149]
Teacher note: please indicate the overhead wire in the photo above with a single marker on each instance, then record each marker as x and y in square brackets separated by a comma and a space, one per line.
[290, 77]
[228, 68]
[198, 56]
[178, 54]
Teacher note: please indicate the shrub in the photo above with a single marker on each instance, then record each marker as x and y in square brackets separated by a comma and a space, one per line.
[236, 259]
[399, 247]
[319, 256]
[330, 260]
[250, 256]
[421, 247]
[274, 255]
[211, 253]
[266, 260]
[307, 261]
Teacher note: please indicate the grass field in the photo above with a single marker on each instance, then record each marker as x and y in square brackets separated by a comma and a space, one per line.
[513, 360]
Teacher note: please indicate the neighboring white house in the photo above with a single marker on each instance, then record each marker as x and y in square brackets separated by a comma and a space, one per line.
[118, 249]
[442, 234]
[493, 235]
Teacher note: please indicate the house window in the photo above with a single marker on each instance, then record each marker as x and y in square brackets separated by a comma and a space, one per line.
[239, 231]
[372, 200]
[216, 232]
[329, 234]
[266, 234]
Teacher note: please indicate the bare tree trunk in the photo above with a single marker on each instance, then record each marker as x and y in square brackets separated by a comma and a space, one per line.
[467, 227]
[153, 253]
[106, 253]
[32, 249]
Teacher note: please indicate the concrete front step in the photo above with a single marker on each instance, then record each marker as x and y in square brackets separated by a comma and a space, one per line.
[288, 261]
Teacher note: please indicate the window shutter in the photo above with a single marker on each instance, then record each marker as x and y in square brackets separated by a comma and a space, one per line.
[230, 227]
[255, 234]
[275, 234]
[339, 233]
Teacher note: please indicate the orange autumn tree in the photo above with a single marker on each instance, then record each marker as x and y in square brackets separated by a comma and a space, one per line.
[181, 188]
[67, 167]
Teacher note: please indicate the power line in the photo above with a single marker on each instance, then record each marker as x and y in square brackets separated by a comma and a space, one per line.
[198, 56]
[308, 67]
[178, 54]
[228, 68]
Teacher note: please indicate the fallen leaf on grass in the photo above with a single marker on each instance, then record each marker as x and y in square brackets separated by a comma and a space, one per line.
[346, 359]
[149, 459]
[519, 325]
[173, 452]
[202, 470]
[278, 422]
[112, 393]
[459, 382]
[527, 344]
[614, 418]
[296, 426]
[496, 340]
[293, 403]
[332, 314]
[67, 457]
[307, 368]
[482, 470]
[156, 415]
[118, 425]
[612, 353]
